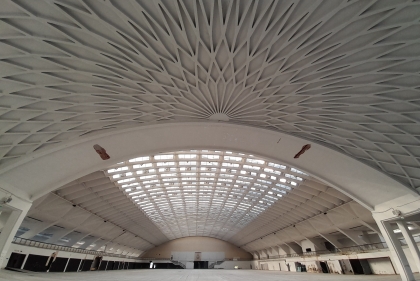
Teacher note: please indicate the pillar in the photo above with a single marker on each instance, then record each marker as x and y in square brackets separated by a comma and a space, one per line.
[13, 217]
[414, 249]
[397, 254]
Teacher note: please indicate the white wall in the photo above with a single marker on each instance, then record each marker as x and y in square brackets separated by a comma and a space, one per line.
[205, 256]
[283, 266]
[346, 266]
[334, 266]
[307, 244]
[379, 262]
[381, 266]
[212, 248]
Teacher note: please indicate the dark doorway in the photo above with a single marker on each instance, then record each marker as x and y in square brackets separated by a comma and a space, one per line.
[116, 265]
[103, 265]
[201, 265]
[36, 263]
[324, 267]
[360, 266]
[96, 263]
[110, 265]
[366, 266]
[58, 265]
[16, 260]
[300, 267]
[357, 267]
[73, 265]
[86, 265]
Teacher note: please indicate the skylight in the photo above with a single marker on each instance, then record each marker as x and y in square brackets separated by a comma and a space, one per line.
[203, 193]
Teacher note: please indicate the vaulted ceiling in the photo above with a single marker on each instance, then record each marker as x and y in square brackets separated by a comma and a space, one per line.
[341, 73]
[344, 74]
[146, 201]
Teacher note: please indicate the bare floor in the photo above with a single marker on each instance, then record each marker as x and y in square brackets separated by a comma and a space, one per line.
[190, 275]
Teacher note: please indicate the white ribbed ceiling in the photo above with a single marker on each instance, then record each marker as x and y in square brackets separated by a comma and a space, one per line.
[204, 192]
[342, 73]
[146, 201]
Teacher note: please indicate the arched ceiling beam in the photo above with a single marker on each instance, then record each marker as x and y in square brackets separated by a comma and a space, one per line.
[52, 168]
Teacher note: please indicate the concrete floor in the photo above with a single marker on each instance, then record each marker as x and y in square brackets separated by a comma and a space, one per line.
[190, 275]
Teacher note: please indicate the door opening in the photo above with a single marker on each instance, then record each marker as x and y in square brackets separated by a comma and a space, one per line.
[324, 267]
[201, 265]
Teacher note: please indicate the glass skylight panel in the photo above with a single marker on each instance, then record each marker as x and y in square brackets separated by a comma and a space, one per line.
[138, 159]
[233, 165]
[297, 171]
[159, 164]
[209, 156]
[117, 170]
[164, 157]
[207, 163]
[278, 166]
[255, 161]
[210, 193]
[232, 158]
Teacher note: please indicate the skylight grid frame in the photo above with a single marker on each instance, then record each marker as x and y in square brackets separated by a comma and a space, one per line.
[203, 192]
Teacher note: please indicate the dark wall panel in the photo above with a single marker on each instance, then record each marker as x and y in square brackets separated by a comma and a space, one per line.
[110, 265]
[73, 265]
[168, 265]
[86, 265]
[103, 265]
[36, 263]
[116, 265]
[16, 260]
[58, 265]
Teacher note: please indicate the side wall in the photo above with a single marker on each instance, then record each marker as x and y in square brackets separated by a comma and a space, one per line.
[26, 250]
[379, 263]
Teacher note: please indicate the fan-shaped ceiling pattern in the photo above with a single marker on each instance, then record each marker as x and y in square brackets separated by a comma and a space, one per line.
[343, 73]
[202, 192]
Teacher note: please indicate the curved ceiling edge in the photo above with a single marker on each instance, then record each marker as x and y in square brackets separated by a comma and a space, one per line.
[54, 168]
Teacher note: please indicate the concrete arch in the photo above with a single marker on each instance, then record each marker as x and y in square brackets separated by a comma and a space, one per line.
[48, 170]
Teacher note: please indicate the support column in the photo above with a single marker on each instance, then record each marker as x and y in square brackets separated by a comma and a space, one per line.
[414, 249]
[397, 254]
[3, 219]
[11, 226]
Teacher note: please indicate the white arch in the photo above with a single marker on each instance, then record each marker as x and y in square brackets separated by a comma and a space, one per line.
[50, 169]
